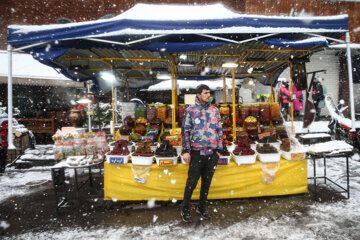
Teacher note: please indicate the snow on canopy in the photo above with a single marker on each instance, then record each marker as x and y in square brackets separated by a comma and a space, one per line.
[191, 84]
[147, 19]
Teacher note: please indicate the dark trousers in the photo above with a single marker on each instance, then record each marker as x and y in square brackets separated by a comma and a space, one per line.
[200, 166]
[2, 160]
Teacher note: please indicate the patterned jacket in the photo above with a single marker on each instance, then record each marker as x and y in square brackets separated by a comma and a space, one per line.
[202, 129]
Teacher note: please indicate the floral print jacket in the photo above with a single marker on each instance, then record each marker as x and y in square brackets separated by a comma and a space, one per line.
[202, 129]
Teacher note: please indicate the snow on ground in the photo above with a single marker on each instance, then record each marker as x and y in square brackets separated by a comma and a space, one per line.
[324, 220]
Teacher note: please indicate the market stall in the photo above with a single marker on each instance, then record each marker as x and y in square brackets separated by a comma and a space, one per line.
[186, 41]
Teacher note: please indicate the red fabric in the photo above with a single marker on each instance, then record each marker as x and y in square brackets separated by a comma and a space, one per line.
[3, 131]
[298, 105]
[284, 94]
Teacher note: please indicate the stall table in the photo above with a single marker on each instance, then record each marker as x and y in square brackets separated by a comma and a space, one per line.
[314, 157]
[58, 179]
[230, 181]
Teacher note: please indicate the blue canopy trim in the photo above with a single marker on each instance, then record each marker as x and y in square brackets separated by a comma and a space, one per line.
[281, 42]
[22, 35]
[180, 46]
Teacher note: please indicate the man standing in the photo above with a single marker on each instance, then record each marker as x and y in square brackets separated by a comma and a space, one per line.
[318, 97]
[202, 137]
[285, 98]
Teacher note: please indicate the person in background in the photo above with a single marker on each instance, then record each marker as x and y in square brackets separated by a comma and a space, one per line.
[285, 99]
[202, 137]
[298, 101]
[318, 97]
[3, 140]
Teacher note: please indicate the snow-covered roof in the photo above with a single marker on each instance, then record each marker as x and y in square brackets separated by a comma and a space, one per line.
[192, 84]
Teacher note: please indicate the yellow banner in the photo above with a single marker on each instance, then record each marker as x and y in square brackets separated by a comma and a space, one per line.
[176, 131]
[230, 181]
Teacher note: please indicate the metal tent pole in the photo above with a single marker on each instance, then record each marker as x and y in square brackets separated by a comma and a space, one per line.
[10, 101]
[233, 106]
[351, 87]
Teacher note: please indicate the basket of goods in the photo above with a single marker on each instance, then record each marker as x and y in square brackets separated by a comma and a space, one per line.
[135, 137]
[120, 153]
[140, 129]
[165, 154]
[129, 121]
[141, 120]
[155, 121]
[224, 156]
[143, 154]
[270, 140]
[268, 153]
[243, 154]
[58, 151]
[153, 145]
[80, 145]
[290, 151]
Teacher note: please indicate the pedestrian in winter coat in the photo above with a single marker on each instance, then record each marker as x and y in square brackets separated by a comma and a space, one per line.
[285, 99]
[318, 96]
[298, 102]
[202, 137]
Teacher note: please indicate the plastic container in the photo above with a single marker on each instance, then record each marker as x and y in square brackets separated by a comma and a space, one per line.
[91, 147]
[166, 161]
[274, 144]
[274, 110]
[68, 149]
[140, 111]
[150, 112]
[244, 111]
[117, 159]
[161, 112]
[58, 151]
[80, 147]
[269, 157]
[264, 114]
[255, 111]
[247, 159]
[224, 109]
[178, 149]
[139, 160]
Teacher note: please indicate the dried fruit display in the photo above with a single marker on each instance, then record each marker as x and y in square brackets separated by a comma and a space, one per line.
[274, 110]
[150, 112]
[244, 112]
[264, 114]
[255, 111]
[226, 121]
[243, 148]
[166, 150]
[120, 148]
[144, 149]
[135, 137]
[161, 112]
[285, 145]
[224, 110]
[268, 139]
[266, 148]
[125, 130]
[251, 121]
[129, 121]
[140, 111]
[181, 113]
[155, 121]
[168, 122]
[224, 151]
[277, 120]
[141, 120]
[141, 129]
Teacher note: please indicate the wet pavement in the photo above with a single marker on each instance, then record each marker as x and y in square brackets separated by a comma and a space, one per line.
[36, 212]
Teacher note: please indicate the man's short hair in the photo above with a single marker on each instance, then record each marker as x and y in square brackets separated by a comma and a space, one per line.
[202, 87]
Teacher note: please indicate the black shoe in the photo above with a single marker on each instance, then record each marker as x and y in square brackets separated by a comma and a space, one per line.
[186, 217]
[203, 212]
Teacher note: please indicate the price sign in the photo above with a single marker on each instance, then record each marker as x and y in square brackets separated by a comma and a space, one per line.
[172, 137]
[262, 135]
[152, 131]
[166, 162]
[123, 137]
[176, 131]
[116, 160]
[151, 137]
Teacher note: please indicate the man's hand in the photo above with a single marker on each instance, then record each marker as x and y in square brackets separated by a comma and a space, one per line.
[187, 157]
